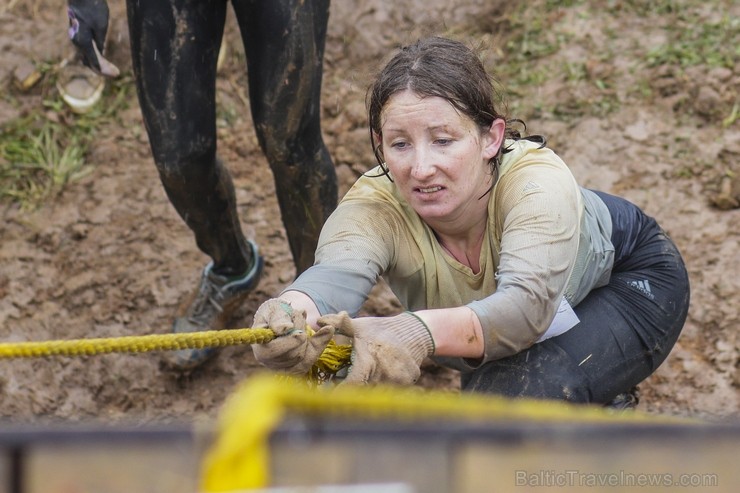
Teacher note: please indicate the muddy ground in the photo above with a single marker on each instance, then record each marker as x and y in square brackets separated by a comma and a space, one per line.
[109, 256]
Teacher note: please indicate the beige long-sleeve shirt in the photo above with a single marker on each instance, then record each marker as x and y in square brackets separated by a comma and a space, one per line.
[546, 238]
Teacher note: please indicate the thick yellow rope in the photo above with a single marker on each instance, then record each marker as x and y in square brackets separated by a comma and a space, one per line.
[334, 357]
[135, 344]
[239, 458]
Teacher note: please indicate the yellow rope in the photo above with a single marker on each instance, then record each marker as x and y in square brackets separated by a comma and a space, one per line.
[334, 357]
[135, 344]
[239, 458]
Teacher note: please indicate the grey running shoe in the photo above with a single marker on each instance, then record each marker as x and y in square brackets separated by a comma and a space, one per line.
[210, 308]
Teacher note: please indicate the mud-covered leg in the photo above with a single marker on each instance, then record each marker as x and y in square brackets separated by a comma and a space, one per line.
[284, 42]
[174, 47]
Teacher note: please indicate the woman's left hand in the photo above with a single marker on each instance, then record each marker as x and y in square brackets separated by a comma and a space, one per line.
[384, 349]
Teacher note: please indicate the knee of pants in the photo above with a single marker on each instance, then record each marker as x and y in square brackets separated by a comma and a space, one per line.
[289, 131]
[291, 146]
[539, 373]
[181, 168]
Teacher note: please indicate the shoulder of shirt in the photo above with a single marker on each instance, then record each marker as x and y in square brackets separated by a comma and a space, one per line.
[523, 152]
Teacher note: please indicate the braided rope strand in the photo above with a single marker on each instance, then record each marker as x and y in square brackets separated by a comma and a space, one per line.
[334, 358]
[135, 344]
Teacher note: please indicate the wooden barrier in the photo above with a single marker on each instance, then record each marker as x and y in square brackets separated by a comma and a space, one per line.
[97, 459]
[507, 457]
[283, 437]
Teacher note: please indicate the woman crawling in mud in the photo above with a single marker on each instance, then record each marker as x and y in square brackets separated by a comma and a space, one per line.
[508, 270]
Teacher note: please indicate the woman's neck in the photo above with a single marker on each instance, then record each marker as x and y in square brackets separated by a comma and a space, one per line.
[465, 247]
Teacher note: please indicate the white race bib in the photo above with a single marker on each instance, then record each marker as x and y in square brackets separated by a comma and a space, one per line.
[565, 319]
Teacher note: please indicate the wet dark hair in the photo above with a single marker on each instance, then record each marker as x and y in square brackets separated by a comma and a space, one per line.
[447, 69]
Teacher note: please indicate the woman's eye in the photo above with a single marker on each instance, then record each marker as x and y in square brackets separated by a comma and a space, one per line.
[399, 145]
[443, 141]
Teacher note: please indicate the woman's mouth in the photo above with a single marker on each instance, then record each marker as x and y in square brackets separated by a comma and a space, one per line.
[429, 189]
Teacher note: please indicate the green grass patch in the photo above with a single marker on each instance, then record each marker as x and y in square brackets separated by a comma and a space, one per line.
[39, 159]
[533, 39]
[696, 36]
[43, 150]
[693, 35]
[694, 41]
[534, 34]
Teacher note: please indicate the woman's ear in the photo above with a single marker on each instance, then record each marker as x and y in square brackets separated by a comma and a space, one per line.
[493, 138]
[378, 147]
[377, 140]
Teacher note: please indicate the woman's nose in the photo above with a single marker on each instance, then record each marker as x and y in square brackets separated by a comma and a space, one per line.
[423, 164]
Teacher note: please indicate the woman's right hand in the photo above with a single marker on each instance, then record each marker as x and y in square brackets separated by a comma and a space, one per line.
[293, 350]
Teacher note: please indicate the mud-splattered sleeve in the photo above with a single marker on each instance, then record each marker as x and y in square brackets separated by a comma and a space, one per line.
[539, 210]
[355, 248]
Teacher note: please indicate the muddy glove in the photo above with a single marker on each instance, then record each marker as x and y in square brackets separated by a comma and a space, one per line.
[88, 26]
[293, 350]
[384, 349]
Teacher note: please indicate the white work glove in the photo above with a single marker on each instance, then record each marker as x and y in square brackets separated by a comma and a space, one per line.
[384, 349]
[293, 350]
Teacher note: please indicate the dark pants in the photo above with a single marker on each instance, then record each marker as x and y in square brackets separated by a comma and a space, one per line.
[175, 45]
[626, 328]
